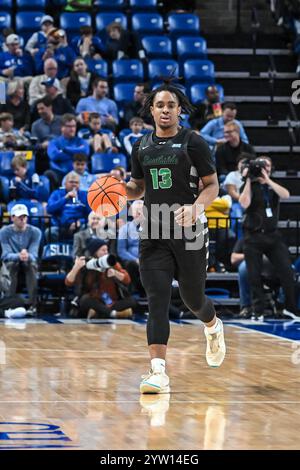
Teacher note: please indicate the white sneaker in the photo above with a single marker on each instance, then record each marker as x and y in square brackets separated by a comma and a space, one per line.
[155, 382]
[292, 315]
[18, 312]
[215, 348]
[156, 406]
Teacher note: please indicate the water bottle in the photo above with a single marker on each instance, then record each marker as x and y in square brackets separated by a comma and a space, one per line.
[35, 180]
[12, 190]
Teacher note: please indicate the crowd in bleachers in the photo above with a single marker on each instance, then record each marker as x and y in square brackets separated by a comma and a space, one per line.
[76, 78]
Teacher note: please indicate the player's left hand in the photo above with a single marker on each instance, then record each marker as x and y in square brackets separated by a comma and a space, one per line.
[186, 216]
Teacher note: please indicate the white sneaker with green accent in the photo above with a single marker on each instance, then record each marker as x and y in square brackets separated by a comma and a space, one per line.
[215, 348]
[155, 382]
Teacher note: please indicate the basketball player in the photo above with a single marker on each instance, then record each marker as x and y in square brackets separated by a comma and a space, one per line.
[166, 166]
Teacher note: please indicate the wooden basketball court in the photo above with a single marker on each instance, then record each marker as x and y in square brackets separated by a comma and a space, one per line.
[76, 386]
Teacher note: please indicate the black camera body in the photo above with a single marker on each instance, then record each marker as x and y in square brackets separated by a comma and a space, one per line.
[255, 168]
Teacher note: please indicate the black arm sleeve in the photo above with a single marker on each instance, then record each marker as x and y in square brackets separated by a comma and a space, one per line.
[200, 155]
[136, 168]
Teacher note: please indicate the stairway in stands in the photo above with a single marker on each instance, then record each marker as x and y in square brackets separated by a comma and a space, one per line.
[248, 71]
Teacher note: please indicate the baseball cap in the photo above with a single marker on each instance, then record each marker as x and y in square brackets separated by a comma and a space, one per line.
[51, 82]
[19, 209]
[12, 39]
[46, 18]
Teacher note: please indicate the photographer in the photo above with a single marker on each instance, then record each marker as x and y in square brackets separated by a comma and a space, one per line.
[103, 284]
[260, 200]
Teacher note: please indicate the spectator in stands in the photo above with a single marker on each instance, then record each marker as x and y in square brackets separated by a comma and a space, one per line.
[60, 104]
[208, 109]
[178, 6]
[17, 105]
[122, 44]
[128, 245]
[238, 261]
[10, 138]
[57, 48]
[69, 209]
[48, 127]
[136, 125]
[80, 83]
[227, 153]
[24, 186]
[87, 45]
[260, 200]
[104, 294]
[15, 62]
[79, 5]
[119, 172]
[62, 149]
[134, 107]
[20, 244]
[220, 235]
[97, 228]
[99, 103]
[100, 142]
[39, 38]
[80, 167]
[213, 131]
[36, 89]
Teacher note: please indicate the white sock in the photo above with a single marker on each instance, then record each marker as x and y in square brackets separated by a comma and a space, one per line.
[158, 364]
[215, 328]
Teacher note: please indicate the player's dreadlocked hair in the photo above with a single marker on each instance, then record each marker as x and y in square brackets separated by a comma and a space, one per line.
[183, 101]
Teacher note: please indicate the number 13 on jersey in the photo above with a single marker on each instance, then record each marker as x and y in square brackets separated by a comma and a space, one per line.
[162, 178]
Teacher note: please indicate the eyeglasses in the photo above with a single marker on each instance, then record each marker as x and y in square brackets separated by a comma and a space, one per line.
[69, 125]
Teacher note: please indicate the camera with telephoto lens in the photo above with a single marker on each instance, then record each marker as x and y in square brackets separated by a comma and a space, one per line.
[101, 264]
[255, 168]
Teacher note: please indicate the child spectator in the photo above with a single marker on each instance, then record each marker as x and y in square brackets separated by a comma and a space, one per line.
[80, 168]
[136, 125]
[11, 138]
[23, 186]
[101, 142]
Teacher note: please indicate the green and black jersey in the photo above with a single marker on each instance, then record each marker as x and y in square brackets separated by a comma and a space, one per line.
[171, 167]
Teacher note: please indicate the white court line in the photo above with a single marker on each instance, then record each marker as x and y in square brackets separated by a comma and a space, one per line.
[210, 402]
[265, 333]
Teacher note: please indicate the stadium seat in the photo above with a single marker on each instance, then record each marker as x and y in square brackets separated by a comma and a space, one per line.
[183, 24]
[157, 46]
[188, 47]
[109, 5]
[104, 19]
[6, 5]
[5, 164]
[28, 21]
[142, 5]
[5, 20]
[72, 22]
[199, 71]
[197, 92]
[124, 92]
[159, 68]
[127, 70]
[31, 5]
[4, 187]
[56, 262]
[147, 23]
[104, 162]
[99, 67]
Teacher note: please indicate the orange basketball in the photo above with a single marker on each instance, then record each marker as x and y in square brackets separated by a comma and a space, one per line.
[107, 196]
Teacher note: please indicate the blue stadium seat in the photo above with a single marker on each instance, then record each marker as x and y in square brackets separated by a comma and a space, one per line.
[5, 164]
[4, 185]
[147, 23]
[124, 92]
[188, 47]
[127, 70]
[104, 162]
[104, 19]
[110, 5]
[197, 92]
[28, 21]
[5, 20]
[57, 250]
[182, 24]
[159, 68]
[199, 71]
[142, 5]
[157, 46]
[99, 67]
[72, 21]
[31, 5]
[6, 5]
